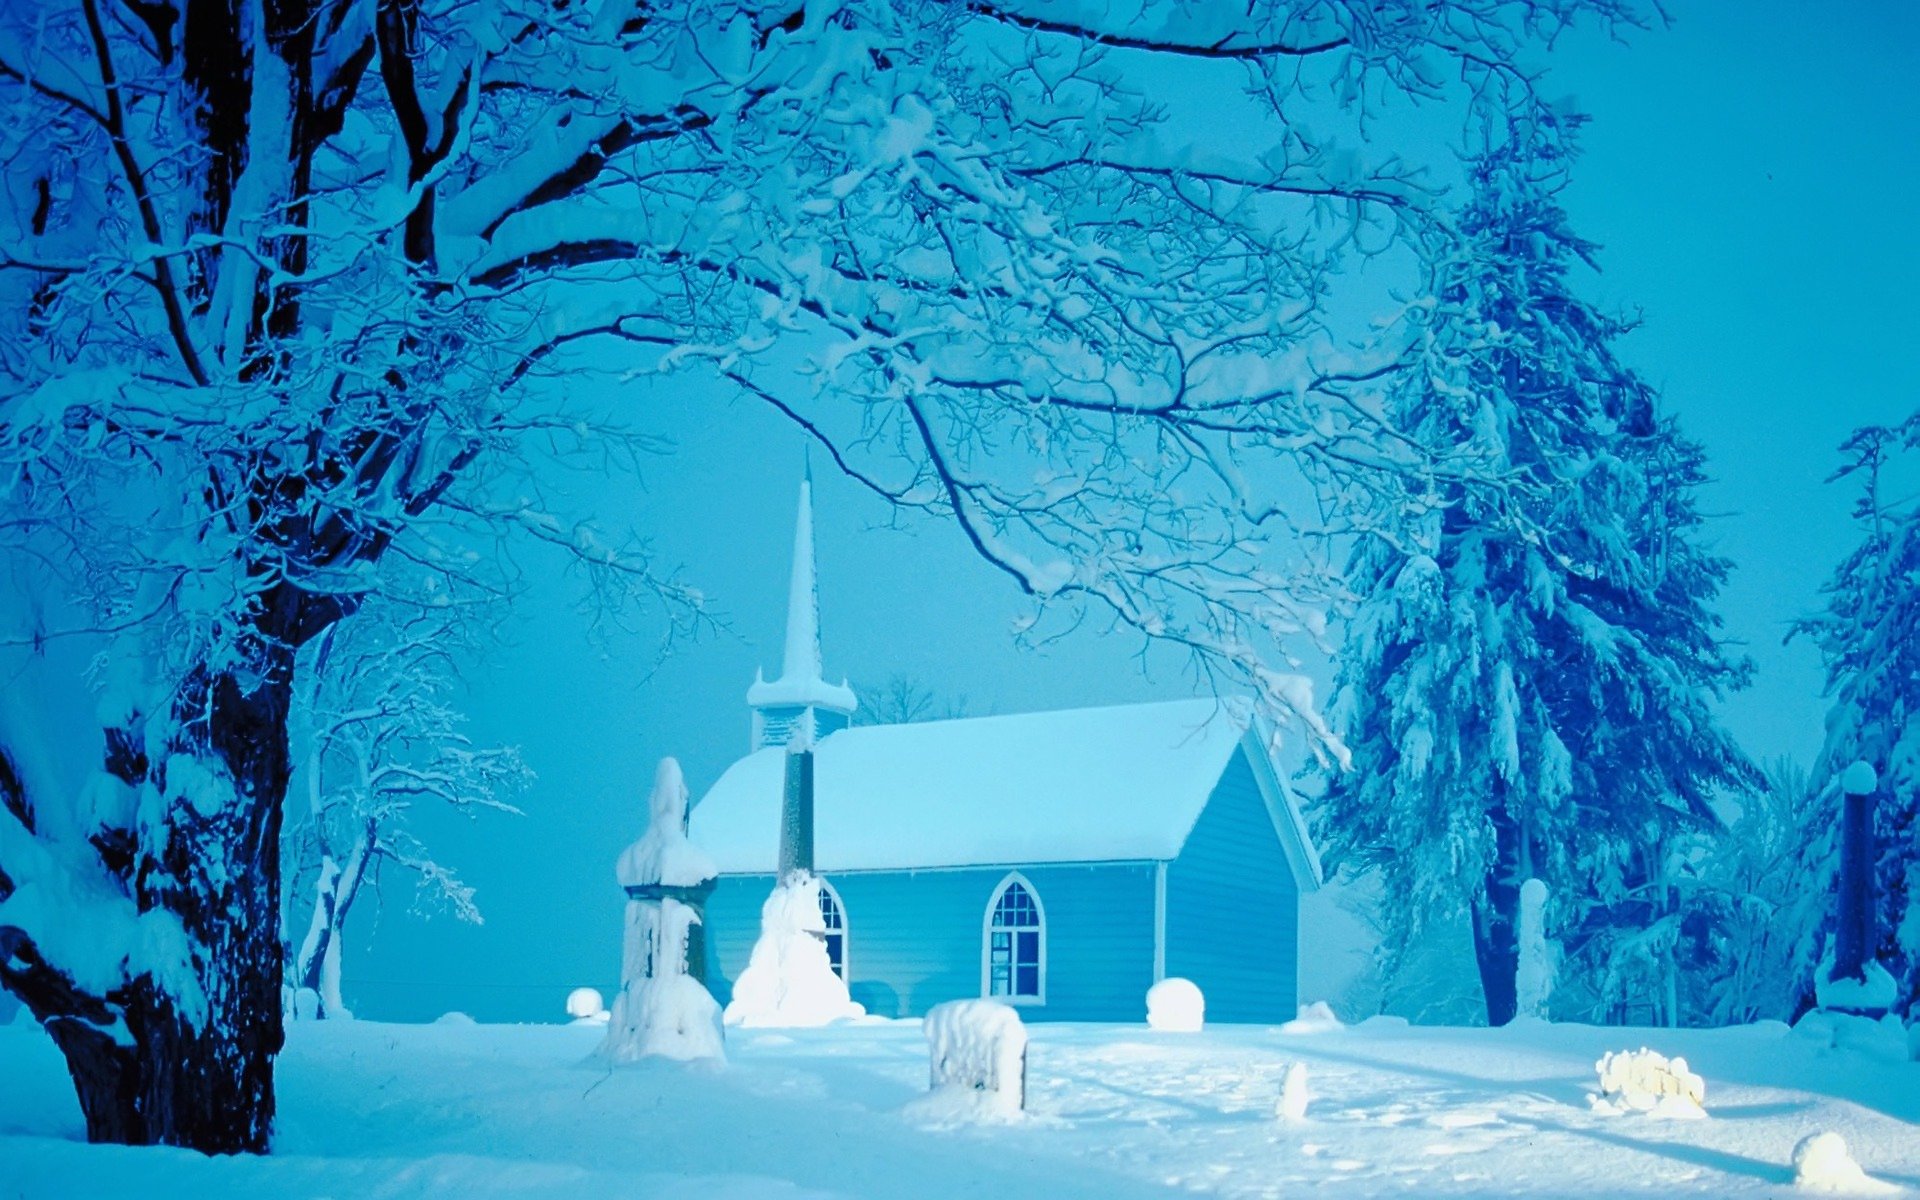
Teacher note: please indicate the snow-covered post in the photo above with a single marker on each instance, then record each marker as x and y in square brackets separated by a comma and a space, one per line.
[661, 1009]
[1853, 930]
[1534, 979]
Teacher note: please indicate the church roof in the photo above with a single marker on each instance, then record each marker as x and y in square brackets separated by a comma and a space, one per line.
[1078, 785]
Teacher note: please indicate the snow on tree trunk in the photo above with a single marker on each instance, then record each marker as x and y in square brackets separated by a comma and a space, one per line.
[789, 979]
[165, 995]
[1534, 980]
[661, 1010]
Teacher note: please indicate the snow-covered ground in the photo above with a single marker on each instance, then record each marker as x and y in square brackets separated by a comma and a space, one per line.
[1117, 1112]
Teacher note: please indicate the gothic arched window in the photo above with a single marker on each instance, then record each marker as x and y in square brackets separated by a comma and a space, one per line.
[833, 914]
[1014, 954]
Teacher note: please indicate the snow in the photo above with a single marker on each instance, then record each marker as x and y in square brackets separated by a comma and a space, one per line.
[586, 1004]
[1875, 993]
[663, 855]
[1293, 1094]
[1176, 1005]
[1645, 1081]
[977, 1052]
[1113, 1113]
[1821, 1164]
[1859, 779]
[789, 980]
[1004, 789]
[800, 683]
[1534, 977]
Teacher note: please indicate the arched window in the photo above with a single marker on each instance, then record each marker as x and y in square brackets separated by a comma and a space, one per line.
[833, 915]
[1014, 957]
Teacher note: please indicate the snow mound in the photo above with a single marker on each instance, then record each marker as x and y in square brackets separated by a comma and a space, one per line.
[1883, 1039]
[1644, 1081]
[789, 979]
[977, 1051]
[1317, 1017]
[454, 1018]
[1821, 1163]
[1875, 992]
[1176, 1005]
[586, 1004]
[1293, 1094]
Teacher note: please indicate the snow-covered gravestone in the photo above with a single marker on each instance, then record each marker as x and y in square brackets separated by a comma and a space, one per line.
[789, 980]
[1176, 1005]
[662, 1010]
[977, 1061]
[1533, 981]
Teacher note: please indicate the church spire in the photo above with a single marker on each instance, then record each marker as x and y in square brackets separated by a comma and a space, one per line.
[801, 702]
[802, 660]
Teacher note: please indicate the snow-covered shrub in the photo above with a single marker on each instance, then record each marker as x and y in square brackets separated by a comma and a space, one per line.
[977, 1057]
[789, 979]
[1293, 1094]
[586, 1006]
[1821, 1163]
[661, 1010]
[1176, 1005]
[1644, 1081]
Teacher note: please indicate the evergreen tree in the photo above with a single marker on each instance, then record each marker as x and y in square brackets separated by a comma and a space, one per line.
[1869, 636]
[1525, 687]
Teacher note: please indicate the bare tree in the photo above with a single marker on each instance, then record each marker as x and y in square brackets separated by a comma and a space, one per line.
[380, 735]
[904, 699]
[286, 285]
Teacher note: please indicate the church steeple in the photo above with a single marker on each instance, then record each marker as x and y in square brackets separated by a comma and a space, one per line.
[800, 703]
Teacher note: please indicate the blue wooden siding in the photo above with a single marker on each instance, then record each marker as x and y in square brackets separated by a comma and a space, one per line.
[1233, 910]
[914, 937]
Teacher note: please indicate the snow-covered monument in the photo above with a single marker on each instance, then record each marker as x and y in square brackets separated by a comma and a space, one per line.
[1062, 861]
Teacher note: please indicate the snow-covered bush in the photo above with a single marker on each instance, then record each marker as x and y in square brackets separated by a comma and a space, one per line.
[789, 979]
[1644, 1081]
[1176, 1005]
[1293, 1094]
[977, 1051]
[1821, 1163]
[661, 1010]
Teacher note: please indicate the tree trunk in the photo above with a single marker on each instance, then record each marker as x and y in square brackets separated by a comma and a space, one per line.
[196, 1070]
[1496, 916]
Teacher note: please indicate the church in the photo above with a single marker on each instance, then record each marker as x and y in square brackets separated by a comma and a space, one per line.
[1060, 861]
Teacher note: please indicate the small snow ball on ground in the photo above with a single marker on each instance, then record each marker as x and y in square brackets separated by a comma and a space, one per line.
[1821, 1164]
[586, 1007]
[454, 1018]
[1643, 1081]
[977, 1059]
[1176, 1005]
[1314, 1018]
[1293, 1094]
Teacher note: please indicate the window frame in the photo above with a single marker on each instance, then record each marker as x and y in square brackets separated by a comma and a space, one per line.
[986, 941]
[846, 929]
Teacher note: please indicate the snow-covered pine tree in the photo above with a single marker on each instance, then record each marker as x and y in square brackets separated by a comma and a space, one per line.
[1526, 681]
[1869, 636]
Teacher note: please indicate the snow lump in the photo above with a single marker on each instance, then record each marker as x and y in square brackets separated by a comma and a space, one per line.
[1176, 1005]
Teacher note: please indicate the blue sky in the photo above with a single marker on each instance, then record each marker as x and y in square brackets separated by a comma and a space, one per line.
[1751, 173]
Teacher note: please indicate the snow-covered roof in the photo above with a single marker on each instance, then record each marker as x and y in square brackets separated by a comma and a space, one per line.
[1078, 785]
